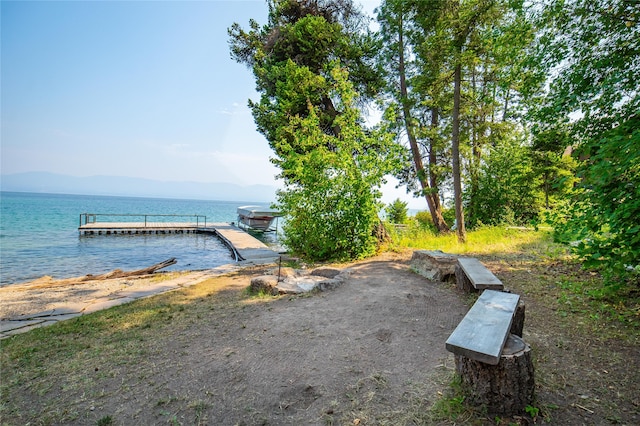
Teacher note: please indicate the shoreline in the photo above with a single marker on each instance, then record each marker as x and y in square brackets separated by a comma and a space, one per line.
[46, 301]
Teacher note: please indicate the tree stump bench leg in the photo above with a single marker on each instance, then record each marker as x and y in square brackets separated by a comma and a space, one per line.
[504, 389]
[463, 282]
[517, 326]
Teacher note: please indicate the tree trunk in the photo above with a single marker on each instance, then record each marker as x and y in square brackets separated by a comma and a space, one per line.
[504, 389]
[433, 200]
[455, 150]
[474, 162]
[433, 161]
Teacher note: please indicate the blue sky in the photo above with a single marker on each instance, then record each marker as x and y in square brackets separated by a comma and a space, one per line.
[131, 88]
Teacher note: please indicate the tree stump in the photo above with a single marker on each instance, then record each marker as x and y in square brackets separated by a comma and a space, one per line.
[504, 389]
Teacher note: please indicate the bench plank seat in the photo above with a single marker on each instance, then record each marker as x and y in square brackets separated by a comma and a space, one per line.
[482, 333]
[481, 278]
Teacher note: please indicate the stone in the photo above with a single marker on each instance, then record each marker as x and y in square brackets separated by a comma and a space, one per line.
[297, 282]
[264, 283]
[283, 272]
[326, 272]
[434, 264]
[329, 284]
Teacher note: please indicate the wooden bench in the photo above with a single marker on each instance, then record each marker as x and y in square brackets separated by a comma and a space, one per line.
[473, 275]
[494, 364]
[482, 333]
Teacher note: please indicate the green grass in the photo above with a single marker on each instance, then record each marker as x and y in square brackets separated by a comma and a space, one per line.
[450, 406]
[581, 302]
[486, 240]
[611, 309]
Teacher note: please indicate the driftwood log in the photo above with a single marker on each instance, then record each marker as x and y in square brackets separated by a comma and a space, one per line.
[118, 273]
[504, 389]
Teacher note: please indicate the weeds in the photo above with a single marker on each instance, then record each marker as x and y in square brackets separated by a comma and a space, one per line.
[45, 362]
[105, 421]
[58, 359]
[612, 313]
[450, 405]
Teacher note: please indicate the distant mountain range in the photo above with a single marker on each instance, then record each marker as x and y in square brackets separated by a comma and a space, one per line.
[133, 187]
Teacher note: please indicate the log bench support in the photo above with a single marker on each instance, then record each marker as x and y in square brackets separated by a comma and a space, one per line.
[471, 275]
[495, 366]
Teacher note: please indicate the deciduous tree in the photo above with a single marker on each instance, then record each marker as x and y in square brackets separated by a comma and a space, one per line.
[593, 50]
[331, 192]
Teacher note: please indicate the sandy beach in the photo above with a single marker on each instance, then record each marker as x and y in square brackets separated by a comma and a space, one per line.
[46, 293]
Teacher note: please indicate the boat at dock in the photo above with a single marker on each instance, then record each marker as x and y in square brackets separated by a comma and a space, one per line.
[259, 218]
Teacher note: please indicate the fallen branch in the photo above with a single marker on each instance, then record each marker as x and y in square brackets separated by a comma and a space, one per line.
[48, 282]
[118, 273]
[584, 408]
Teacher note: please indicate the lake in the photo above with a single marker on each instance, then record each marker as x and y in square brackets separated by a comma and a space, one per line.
[39, 236]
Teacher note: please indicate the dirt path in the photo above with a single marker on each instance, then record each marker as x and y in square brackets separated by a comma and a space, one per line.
[337, 356]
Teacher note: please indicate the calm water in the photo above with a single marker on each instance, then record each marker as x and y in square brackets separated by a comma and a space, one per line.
[39, 236]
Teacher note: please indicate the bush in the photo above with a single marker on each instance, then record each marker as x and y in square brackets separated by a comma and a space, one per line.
[508, 189]
[602, 217]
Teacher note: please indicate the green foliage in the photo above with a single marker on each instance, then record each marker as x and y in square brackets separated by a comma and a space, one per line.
[532, 411]
[290, 57]
[592, 46]
[593, 97]
[331, 191]
[424, 220]
[428, 43]
[556, 175]
[397, 211]
[507, 188]
[451, 405]
[105, 421]
[330, 166]
[603, 215]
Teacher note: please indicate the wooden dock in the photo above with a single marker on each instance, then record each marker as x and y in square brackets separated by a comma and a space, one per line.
[244, 246]
[109, 228]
